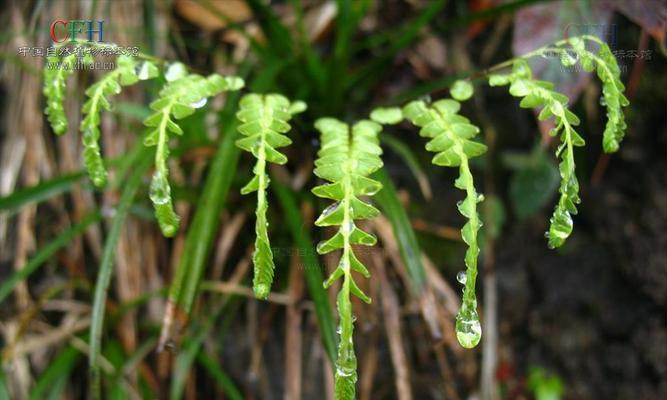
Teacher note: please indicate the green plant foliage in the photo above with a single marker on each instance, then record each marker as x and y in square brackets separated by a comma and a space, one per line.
[605, 65]
[461, 90]
[451, 138]
[346, 160]
[128, 71]
[179, 98]
[54, 90]
[541, 94]
[387, 116]
[264, 121]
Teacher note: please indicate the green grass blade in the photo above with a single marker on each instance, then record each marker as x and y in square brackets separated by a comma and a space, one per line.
[53, 380]
[191, 347]
[391, 207]
[106, 267]
[404, 151]
[206, 220]
[312, 270]
[40, 192]
[4, 393]
[48, 189]
[45, 253]
[222, 379]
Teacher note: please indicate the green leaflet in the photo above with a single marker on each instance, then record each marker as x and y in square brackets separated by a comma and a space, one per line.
[54, 90]
[178, 99]
[451, 136]
[541, 94]
[126, 73]
[461, 90]
[264, 121]
[346, 160]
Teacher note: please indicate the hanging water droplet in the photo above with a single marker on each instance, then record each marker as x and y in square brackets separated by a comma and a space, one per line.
[603, 101]
[468, 332]
[462, 277]
[480, 197]
[199, 104]
[339, 330]
[159, 191]
[459, 203]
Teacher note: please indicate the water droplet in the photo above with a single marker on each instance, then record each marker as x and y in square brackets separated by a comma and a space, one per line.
[459, 203]
[603, 101]
[199, 104]
[160, 192]
[348, 228]
[344, 371]
[330, 209]
[143, 71]
[468, 332]
[480, 198]
[175, 71]
[462, 277]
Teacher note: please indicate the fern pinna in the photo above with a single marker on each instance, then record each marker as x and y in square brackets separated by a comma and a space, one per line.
[451, 138]
[346, 159]
[264, 121]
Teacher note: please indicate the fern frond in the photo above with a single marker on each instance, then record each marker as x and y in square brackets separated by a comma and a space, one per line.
[178, 99]
[346, 160]
[609, 73]
[110, 84]
[541, 94]
[451, 138]
[264, 121]
[54, 90]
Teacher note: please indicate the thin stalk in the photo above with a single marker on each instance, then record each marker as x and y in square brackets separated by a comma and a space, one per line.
[106, 269]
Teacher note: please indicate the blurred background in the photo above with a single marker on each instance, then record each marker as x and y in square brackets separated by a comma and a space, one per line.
[588, 321]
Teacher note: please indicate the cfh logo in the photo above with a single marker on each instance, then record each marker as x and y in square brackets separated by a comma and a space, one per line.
[75, 27]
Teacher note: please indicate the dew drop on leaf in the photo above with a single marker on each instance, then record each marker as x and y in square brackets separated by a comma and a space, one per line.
[462, 277]
[199, 104]
[333, 207]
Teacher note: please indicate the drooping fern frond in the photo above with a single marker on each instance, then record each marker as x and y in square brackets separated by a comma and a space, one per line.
[451, 138]
[264, 121]
[537, 93]
[609, 73]
[127, 72]
[54, 90]
[346, 160]
[178, 99]
[541, 94]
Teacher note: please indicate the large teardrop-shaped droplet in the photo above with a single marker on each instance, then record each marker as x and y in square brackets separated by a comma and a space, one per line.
[468, 328]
